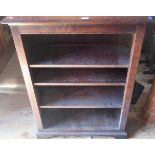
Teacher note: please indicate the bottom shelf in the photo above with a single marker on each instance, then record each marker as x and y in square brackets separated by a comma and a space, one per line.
[80, 119]
[47, 133]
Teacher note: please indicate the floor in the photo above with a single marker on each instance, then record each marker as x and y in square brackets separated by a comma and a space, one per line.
[16, 119]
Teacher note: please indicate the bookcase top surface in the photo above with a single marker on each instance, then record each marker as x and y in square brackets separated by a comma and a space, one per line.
[45, 20]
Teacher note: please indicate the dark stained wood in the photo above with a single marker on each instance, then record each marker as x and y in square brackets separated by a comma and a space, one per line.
[35, 40]
[26, 74]
[51, 20]
[134, 59]
[62, 57]
[77, 29]
[47, 133]
[80, 84]
[81, 119]
[79, 76]
[81, 56]
[81, 97]
[78, 50]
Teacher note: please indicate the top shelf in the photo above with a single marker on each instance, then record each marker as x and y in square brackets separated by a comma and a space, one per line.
[55, 20]
[80, 56]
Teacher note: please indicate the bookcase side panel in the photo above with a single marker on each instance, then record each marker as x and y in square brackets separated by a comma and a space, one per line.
[26, 74]
[134, 59]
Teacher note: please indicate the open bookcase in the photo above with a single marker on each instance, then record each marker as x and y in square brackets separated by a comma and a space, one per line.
[79, 77]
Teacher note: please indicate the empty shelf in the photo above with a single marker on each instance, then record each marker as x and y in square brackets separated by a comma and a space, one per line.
[80, 56]
[80, 97]
[81, 119]
[79, 77]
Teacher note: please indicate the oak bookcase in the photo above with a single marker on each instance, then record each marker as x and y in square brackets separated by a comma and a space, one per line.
[79, 71]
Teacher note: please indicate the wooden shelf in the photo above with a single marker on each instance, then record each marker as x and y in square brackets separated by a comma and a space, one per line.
[80, 97]
[79, 73]
[80, 56]
[80, 119]
[79, 77]
[80, 84]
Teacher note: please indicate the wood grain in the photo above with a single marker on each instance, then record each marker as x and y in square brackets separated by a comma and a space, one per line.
[81, 55]
[134, 59]
[77, 76]
[77, 29]
[84, 121]
[26, 74]
[44, 20]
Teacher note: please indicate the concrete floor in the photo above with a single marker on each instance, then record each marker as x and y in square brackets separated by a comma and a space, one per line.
[16, 119]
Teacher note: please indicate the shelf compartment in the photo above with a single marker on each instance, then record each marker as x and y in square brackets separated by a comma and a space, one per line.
[80, 97]
[80, 119]
[78, 50]
[81, 56]
[79, 77]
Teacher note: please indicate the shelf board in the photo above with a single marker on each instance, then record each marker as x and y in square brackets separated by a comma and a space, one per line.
[80, 119]
[80, 56]
[81, 97]
[79, 84]
[79, 66]
[79, 77]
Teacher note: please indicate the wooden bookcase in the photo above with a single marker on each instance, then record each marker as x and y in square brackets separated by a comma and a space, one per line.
[79, 72]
